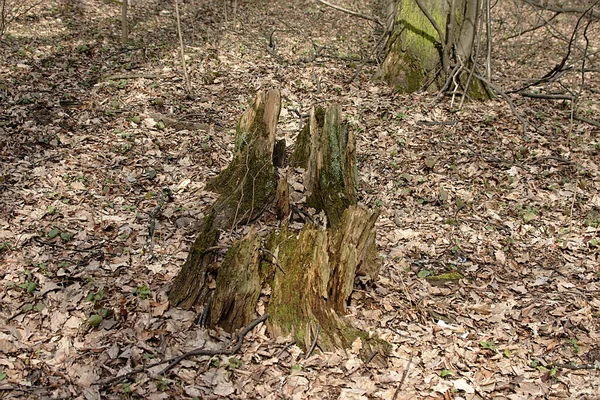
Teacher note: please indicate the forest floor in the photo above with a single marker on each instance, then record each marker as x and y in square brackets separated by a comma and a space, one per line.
[91, 134]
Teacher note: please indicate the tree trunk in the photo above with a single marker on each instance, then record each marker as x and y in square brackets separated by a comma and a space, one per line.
[309, 274]
[432, 47]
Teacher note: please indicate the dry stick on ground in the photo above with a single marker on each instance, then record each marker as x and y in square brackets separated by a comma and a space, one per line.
[404, 374]
[188, 85]
[508, 100]
[196, 352]
[314, 343]
[546, 96]
[586, 120]
[353, 13]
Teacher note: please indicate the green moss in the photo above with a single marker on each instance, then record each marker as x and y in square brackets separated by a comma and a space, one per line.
[448, 276]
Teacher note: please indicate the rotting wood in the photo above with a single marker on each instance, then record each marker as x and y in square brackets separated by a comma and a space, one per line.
[310, 274]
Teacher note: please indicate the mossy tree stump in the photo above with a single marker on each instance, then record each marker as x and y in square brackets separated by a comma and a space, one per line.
[311, 273]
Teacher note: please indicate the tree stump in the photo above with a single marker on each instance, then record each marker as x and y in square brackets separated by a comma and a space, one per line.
[309, 274]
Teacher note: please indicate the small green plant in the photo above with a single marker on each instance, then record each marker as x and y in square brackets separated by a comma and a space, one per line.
[446, 373]
[215, 362]
[530, 215]
[233, 364]
[2, 375]
[83, 48]
[4, 246]
[94, 297]
[162, 384]
[488, 345]
[401, 116]
[143, 292]
[28, 286]
[574, 346]
[488, 118]
[424, 273]
[66, 236]
[296, 368]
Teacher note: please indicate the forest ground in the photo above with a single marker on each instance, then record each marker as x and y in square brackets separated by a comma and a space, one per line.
[92, 133]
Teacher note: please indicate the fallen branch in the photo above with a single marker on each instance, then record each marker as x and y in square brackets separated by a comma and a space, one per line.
[196, 352]
[508, 100]
[547, 96]
[586, 120]
[353, 13]
[404, 374]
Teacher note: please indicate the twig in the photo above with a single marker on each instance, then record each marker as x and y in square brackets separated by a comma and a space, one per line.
[488, 30]
[314, 343]
[508, 100]
[275, 259]
[433, 23]
[404, 374]
[134, 76]
[538, 26]
[196, 352]
[546, 96]
[353, 13]
[555, 72]
[563, 10]
[586, 120]
[188, 85]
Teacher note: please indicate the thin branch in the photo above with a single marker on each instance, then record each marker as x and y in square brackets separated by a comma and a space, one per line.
[564, 10]
[560, 67]
[275, 259]
[188, 85]
[314, 343]
[404, 375]
[586, 120]
[433, 22]
[196, 352]
[546, 96]
[508, 100]
[353, 13]
[534, 28]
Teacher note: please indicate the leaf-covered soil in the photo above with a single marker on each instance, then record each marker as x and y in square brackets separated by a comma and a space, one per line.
[488, 234]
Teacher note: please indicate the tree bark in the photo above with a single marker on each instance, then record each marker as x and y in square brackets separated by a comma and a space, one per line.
[431, 47]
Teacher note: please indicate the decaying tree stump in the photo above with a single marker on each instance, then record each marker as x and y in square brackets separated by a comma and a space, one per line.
[311, 273]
